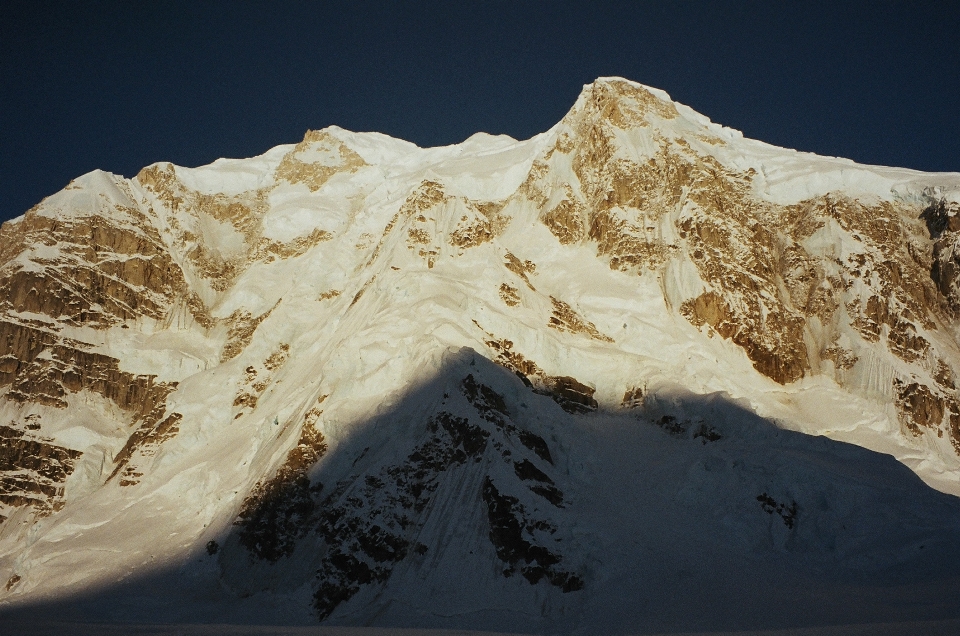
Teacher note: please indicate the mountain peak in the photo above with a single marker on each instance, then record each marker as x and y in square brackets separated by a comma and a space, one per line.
[388, 383]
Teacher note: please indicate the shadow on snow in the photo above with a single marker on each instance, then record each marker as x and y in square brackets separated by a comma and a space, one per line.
[475, 502]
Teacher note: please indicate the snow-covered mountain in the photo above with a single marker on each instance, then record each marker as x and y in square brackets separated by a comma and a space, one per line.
[636, 372]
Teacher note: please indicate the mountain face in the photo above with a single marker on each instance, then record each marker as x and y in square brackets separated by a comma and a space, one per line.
[635, 372]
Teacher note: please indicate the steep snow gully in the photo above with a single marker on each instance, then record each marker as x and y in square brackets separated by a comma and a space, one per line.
[636, 374]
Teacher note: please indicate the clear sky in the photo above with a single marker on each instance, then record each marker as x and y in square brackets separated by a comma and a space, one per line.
[120, 85]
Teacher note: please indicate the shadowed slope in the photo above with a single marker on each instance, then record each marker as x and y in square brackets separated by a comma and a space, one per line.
[474, 502]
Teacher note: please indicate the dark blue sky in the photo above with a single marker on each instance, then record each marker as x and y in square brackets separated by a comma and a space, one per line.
[121, 85]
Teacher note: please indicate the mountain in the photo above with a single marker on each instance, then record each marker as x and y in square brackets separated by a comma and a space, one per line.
[635, 373]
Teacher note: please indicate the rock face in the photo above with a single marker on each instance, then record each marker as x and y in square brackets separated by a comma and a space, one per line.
[353, 373]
